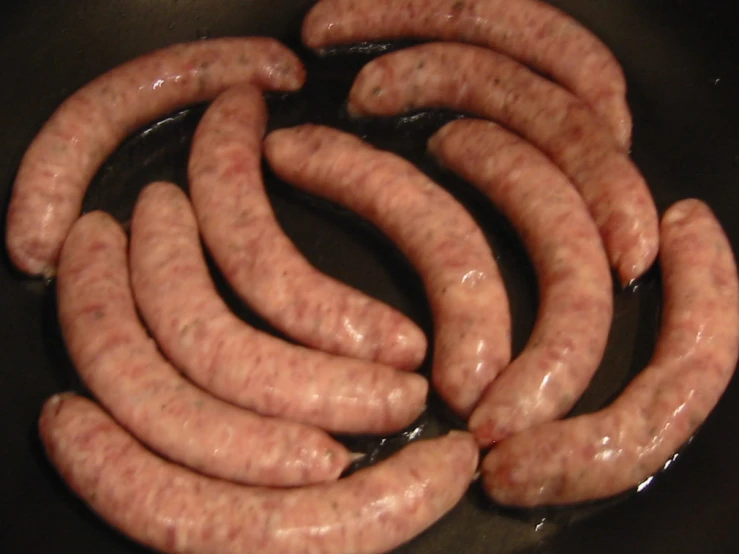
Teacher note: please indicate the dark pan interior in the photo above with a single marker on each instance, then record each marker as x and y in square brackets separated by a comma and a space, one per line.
[681, 58]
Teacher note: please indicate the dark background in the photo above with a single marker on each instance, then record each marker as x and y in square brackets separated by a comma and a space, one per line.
[681, 59]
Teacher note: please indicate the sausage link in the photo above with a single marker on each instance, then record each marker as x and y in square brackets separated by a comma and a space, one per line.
[601, 454]
[472, 330]
[61, 161]
[479, 81]
[259, 260]
[575, 286]
[121, 366]
[530, 31]
[221, 353]
[175, 510]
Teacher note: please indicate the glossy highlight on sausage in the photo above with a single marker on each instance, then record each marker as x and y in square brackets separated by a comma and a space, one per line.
[262, 264]
[122, 368]
[221, 353]
[172, 509]
[479, 81]
[575, 288]
[601, 454]
[85, 129]
[533, 32]
[469, 304]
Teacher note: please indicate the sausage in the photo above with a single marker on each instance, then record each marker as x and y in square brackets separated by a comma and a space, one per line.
[575, 286]
[530, 31]
[121, 366]
[472, 329]
[479, 81]
[172, 509]
[259, 260]
[223, 355]
[606, 452]
[63, 158]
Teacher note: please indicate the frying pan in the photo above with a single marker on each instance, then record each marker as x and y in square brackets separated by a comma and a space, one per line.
[681, 58]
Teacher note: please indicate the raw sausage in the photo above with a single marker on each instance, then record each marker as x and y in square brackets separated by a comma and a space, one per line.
[197, 331]
[121, 366]
[575, 286]
[601, 454]
[60, 162]
[259, 260]
[472, 329]
[172, 509]
[479, 81]
[530, 31]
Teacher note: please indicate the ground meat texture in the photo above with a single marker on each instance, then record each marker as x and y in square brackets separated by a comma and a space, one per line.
[63, 158]
[575, 286]
[259, 260]
[222, 354]
[172, 509]
[123, 369]
[481, 82]
[607, 452]
[469, 304]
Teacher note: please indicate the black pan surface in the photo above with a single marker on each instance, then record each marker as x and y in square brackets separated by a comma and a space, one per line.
[681, 58]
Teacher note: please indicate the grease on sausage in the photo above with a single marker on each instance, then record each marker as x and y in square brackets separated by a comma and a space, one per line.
[62, 159]
[575, 286]
[259, 260]
[195, 328]
[472, 329]
[479, 81]
[123, 369]
[172, 509]
[607, 452]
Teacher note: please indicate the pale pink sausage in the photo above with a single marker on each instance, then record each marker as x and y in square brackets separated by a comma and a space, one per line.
[121, 366]
[261, 263]
[530, 31]
[472, 329]
[60, 162]
[479, 81]
[172, 509]
[575, 286]
[601, 454]
[196, 330]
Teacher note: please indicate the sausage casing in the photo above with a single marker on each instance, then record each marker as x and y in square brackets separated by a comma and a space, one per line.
[606, 452]
[261, 263]
[533, 32]
[575, 288]
[224, 355]
[61, 161]
[175, 510]
[469, 304]
[476, 80]
[123, 369]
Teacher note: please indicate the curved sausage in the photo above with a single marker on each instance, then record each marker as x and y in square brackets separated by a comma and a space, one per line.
[221, 353]
[601, 454]
[175, 510]
[479, 81]
[60, 162]
[259, 260]
[575, 286]
[533, 32]
[472, 329]
[121, 366]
